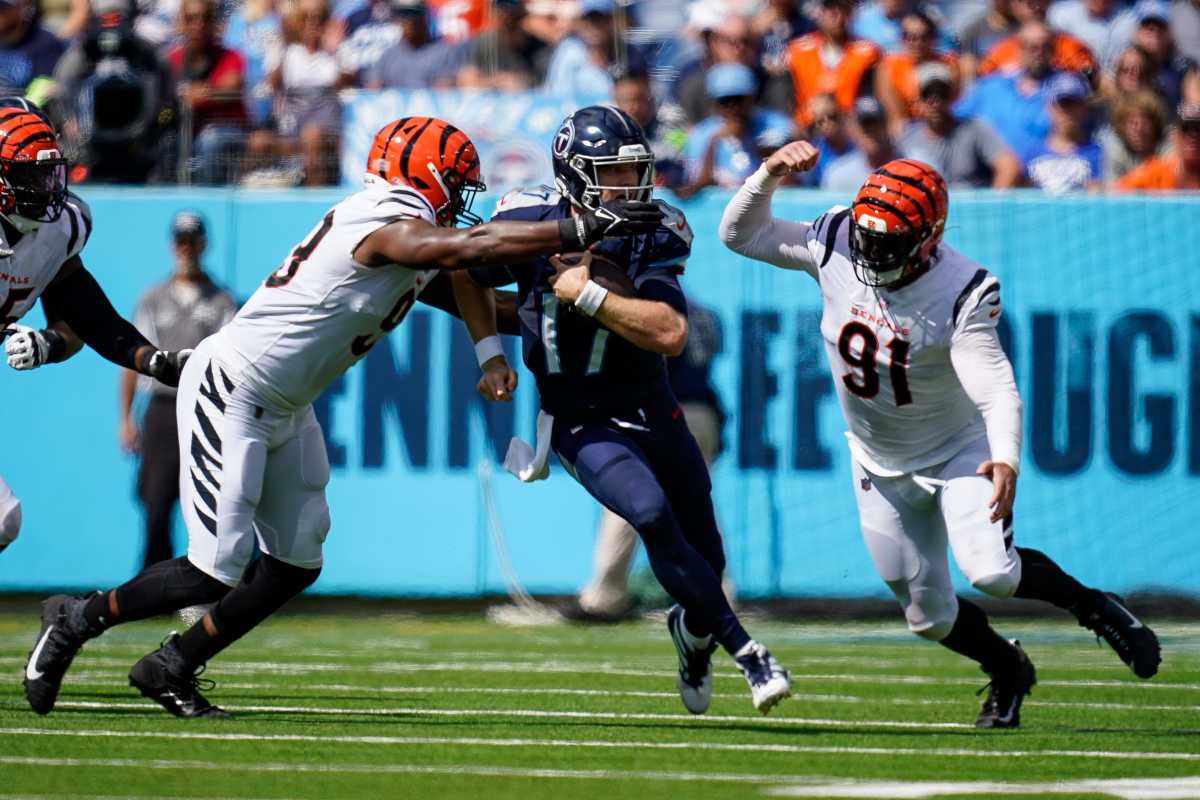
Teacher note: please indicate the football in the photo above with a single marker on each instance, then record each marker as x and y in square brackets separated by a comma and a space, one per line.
[606, 272]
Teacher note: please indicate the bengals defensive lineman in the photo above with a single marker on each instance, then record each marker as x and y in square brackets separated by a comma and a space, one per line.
[253, 456]
[43, 228]
[933, 412]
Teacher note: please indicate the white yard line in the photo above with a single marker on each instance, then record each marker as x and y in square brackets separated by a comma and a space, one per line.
[1127, 789]
[602, 744]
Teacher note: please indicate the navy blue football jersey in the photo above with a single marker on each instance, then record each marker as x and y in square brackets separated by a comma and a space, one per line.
[580, 366]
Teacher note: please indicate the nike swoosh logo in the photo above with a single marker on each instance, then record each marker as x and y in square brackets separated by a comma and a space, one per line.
[1134, 622]
[31, 670]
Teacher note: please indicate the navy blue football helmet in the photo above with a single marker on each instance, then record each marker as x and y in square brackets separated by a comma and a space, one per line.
[595, 137]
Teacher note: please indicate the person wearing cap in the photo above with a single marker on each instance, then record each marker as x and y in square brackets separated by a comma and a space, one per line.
[881, 21]
[1177, 171]
[28, 52]
[178, 313]
[1105, 26]
[727, 147]
[507, 56]
[1177, 75]
[873, 148]
[1068, 159]
[967, 152]
[582, 64]
[417, 60]
[896, 77]
[1014, 102]
[830, 60]
[729, 41]
[1068, 52]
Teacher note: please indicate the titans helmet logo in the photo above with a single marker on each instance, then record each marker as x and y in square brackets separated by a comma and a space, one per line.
[564, 139]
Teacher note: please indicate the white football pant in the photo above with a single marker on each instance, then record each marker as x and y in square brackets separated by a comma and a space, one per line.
[907, 523]
[10, 515]
[616, 540]
[247, 471]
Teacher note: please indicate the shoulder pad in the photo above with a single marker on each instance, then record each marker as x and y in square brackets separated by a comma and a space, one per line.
[78, 223]
[541, 199]
[675, 222]
[979, 300]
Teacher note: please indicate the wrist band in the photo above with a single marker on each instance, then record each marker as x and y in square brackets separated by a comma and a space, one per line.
[56, 346]
[488, 348]
[589, 300]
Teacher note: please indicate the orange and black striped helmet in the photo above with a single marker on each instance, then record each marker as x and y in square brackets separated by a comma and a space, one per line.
[33, 172]
[899, 218]
[433, 157]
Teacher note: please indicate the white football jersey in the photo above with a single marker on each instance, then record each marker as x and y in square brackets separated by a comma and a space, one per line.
[321, 311]
[34, 261]
[889, 351]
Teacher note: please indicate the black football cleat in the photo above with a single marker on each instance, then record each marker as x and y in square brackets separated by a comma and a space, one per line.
[1111, 620]
[167, 679]
[1006, 692]
[62, 635]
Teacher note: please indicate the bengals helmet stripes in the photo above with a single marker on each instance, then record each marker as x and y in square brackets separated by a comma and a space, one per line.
[899, 217]
[33, 172]
[433, 157]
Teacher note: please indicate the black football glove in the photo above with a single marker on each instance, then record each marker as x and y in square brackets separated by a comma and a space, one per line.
[614, 218]
[165, 366]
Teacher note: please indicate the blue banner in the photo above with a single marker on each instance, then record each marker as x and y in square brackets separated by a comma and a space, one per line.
[511, 131]
[1101, 320]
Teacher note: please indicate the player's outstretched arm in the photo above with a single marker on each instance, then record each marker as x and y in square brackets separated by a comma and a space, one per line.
[439, 293]
[478, 308]
[27, 348]
[747, 227]
[75, 298]
[418, 244]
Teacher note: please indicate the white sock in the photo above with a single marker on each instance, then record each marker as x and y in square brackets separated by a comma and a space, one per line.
[694, 642]
[747, 648]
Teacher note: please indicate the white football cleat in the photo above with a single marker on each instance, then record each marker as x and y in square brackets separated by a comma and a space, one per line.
[695, 664]
[769, 682]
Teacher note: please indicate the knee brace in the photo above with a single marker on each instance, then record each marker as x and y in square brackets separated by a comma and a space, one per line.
[10, 519]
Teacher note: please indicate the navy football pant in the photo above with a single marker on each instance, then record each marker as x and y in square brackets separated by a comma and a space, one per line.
[649, 470]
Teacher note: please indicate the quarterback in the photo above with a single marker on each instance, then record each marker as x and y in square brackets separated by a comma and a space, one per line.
[933, 413]
[253, 456]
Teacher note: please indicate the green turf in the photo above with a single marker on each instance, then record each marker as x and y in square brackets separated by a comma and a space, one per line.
[364, 707]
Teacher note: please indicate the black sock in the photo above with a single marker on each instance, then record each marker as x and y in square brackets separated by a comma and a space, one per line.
[1042, 579]
[974, 638]
[267, 585]
[160, 588]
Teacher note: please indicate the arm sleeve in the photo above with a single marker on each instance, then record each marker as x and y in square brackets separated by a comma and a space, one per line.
[748, 228]
[80, 302]
[985, 372]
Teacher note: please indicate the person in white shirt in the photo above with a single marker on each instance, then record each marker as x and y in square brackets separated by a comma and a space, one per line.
[933, 412]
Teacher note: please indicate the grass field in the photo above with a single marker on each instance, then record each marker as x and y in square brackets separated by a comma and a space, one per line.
[392, 706]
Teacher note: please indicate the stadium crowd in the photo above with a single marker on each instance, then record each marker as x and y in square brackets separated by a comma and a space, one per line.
[1071, 95]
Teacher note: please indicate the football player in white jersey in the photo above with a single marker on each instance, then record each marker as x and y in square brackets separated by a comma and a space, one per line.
[933, 412]
[43, 227]
[253, 456]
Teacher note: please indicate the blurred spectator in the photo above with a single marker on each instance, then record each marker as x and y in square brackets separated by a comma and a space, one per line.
[1136, 133]
[1178, 171]
[115, 96]
[896, 77]
[1132, 71]
[507, 56]
[305, 78]
[633, 95]
[1177, 76]
[417, 61]
[830, 61]
[732, 41]
[982, 33]
[829, 134]
[1069, 53]
[1105, 26]
[1068, 160]
[777, 24]
[873, 149]
[968, 152]
[66, 19]
[581, 63]
[28, 52]
[255, 30]
[210, 78]
[1185, 27]
[179, 312]
[370, 30]
[880, 21]
[1014, 102]
[726, 148]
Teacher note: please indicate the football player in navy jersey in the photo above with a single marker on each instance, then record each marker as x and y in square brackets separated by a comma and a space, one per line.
[607, 409]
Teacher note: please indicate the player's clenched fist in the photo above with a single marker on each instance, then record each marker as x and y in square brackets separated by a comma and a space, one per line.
[571, 277]
[797, 156]
[499, 380]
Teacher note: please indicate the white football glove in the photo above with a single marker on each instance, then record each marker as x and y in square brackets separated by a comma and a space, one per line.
[26, 347]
